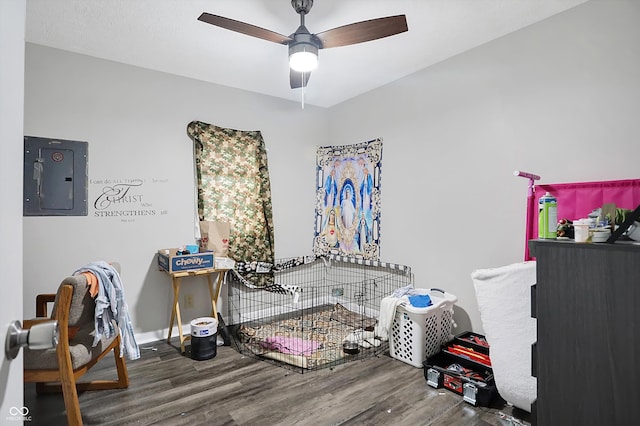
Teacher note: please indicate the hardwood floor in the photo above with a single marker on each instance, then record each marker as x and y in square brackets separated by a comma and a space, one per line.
[167, 388]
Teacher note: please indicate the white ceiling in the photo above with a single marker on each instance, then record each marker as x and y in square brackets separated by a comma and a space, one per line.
[165, 35]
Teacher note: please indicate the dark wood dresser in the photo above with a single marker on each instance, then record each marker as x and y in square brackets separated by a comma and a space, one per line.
[587, 355]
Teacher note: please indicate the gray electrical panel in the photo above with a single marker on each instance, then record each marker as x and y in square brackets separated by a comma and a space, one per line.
[55, 177]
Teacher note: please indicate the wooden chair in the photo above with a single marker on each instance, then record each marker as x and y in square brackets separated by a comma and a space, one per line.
[74, 308]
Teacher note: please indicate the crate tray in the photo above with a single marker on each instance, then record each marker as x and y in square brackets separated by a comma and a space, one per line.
[467, 339]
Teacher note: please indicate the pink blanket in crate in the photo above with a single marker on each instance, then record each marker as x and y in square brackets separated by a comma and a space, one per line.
[291, 345]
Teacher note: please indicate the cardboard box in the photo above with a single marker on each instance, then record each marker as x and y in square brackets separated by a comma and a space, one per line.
[169, 261]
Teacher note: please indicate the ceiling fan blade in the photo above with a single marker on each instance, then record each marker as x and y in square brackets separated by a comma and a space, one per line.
[244, 28]
[298, 79]
[363, 31]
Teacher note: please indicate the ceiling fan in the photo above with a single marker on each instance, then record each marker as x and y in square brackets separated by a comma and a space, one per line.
[304, 46]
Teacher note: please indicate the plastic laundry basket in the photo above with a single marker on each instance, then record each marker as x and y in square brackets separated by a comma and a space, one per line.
[417, 333]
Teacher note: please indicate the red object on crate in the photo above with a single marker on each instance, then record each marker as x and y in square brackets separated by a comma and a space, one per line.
[453, 383]
[476, 339]
[469, 353]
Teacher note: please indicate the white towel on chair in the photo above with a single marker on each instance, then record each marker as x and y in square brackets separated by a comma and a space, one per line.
[504, 301]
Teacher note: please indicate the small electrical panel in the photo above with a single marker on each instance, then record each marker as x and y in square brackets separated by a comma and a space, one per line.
[55, 177]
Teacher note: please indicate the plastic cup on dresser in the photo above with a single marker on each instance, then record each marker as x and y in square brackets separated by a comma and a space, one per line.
[581, 230]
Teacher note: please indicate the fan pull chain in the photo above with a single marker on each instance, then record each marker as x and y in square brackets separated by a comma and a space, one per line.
[302, 91]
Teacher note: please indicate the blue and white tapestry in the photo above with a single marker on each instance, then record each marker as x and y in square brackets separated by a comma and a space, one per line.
[348, 200]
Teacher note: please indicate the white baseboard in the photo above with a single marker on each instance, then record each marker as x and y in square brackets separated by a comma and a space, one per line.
[154, 336]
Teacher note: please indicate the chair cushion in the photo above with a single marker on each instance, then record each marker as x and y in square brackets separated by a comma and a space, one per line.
[80, 348]
[83, 307]
[82, 316]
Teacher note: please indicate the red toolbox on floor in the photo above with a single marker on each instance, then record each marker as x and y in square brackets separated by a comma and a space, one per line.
[463, 366]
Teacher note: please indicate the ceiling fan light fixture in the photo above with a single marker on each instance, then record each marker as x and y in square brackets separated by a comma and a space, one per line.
[304, 46]
[303, 57]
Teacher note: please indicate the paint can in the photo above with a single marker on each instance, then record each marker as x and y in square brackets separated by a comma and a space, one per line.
[547, 217]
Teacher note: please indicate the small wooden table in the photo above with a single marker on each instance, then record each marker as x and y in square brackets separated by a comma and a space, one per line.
[213, 293]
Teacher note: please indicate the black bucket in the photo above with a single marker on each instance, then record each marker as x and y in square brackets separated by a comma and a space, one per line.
[204, 338]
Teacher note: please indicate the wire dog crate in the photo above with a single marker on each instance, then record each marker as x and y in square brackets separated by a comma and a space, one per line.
[314, 311]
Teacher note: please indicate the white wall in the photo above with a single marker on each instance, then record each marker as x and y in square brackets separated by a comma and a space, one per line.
[559, 99]
[134, 121]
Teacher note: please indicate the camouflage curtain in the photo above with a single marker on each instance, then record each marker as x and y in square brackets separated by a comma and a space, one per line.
[234, 187]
